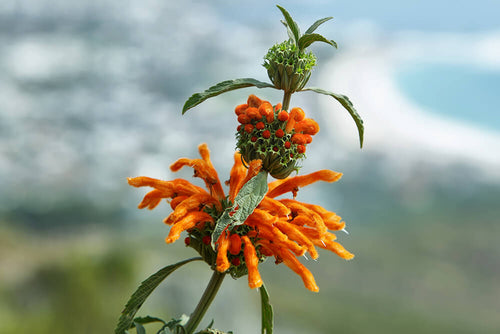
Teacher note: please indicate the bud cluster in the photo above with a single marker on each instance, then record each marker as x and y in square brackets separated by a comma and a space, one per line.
[273, 135]
[288, 68]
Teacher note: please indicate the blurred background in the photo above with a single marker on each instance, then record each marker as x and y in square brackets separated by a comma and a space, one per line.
[91, 92]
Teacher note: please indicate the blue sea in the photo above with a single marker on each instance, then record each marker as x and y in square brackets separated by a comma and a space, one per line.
[466, 93]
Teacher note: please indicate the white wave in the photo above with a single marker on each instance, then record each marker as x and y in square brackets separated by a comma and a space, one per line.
[397, 127]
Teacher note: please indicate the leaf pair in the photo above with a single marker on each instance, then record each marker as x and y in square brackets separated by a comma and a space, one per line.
[230, 85]
[309, 37]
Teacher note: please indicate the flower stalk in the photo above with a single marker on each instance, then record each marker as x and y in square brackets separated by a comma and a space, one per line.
[205, 301]
[286, 100]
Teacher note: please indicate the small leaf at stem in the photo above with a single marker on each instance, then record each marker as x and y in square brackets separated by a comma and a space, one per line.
[291, 24]
[347, 104]
[308, 39]
[211, 323]
[267, 311]
[139, 328]
[222, 87]
[289, 32]
[147, 319]
[316, 24]
[245, 202]
[177, 324]
[143, 292]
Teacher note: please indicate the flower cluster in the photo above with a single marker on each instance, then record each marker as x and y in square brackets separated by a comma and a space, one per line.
[273, 135]
[282, 228]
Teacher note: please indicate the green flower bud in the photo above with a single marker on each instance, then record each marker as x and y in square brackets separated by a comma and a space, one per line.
[288, 67]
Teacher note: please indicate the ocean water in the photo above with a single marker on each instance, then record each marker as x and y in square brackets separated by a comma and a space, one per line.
[466, 93]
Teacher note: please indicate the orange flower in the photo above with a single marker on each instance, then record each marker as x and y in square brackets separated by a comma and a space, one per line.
[282, 228]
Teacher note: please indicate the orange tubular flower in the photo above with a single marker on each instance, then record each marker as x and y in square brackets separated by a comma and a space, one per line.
[296, 115]
[234, 244]
[307, 126]
[282, 228]
[251, 259]
[222, 261]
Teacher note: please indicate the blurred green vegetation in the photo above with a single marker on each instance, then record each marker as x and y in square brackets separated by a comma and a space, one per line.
[65, 288]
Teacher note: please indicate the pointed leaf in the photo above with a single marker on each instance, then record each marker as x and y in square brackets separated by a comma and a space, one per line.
[164, 330]
[289, 32]
[143, 292]
[316, 24]
[245, 202]
[177, 324]
[147, 319]
[223, 87]
[139, 328]
[291, 24]
[308, 39]
[267, 311]
[347, 104]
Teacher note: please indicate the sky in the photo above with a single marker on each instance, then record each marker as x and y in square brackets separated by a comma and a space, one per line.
[391, 15]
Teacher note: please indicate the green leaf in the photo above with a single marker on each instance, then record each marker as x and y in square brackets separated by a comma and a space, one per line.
[245, 202]
[308, 39]
[222, 87]
[139, 328]
[249, 196]
[164, 330]
[347, 104]
[267, 311]
[316, 24]
[177, 325]
[212, 331]
[291, 24]
[143, 292]
[289, 32]
[148, 319]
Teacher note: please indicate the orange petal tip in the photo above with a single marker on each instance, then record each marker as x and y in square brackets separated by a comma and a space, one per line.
[132, 181]
[254, 285]
[314, 288]
[223, 268]
[348, 256]
[170, 240]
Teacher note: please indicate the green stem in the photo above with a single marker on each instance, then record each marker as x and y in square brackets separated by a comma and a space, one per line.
[205, 301]
[286, 101]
